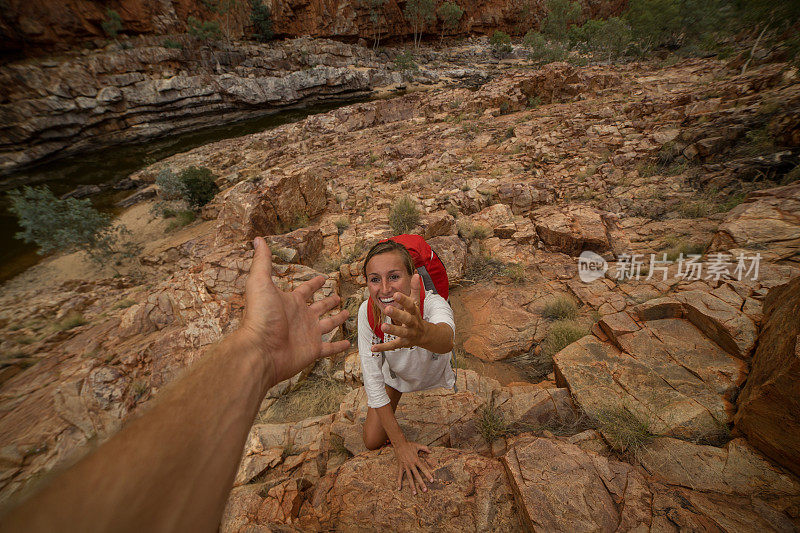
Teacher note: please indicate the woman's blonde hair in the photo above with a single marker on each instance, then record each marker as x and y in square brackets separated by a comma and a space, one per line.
[382, 248]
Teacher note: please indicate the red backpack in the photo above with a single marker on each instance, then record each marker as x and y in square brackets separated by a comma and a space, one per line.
[430, 269]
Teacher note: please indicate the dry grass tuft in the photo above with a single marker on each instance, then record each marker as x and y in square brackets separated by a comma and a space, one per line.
[313, 397]
[562, 306]
[491, 424]
[624, 431]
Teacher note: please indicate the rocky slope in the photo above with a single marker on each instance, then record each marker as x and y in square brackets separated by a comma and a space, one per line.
[619, 160]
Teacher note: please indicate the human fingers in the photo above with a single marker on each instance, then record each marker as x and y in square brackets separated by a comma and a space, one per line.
[326, 304]
[327, 324]
[415, 469]
[330, 348]
[416, 285]
[391, 345]
[261, 267]
[425, 468]
[400, 473]
[409, 304]
[396, 330]
[307, 289]
[411, 482]
[398, 315]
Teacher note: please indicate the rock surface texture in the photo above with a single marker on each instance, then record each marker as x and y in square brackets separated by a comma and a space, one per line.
[768, 410]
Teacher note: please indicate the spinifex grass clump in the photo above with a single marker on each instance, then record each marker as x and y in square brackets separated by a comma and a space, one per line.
[491, 423]
[560, 307]
[404, 215]
[624, 431]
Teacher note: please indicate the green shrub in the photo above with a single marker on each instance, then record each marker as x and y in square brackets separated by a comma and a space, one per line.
[199, 185]
[560, 14]
[205, 30]
[71, 320]
[113, 23]
[261, 20]
[501, 43]
[561, 307]
[541, 50]
[66, 225]
[171, 187]
[608, 38]
[404, 215]
[169, 43]
[404, 62]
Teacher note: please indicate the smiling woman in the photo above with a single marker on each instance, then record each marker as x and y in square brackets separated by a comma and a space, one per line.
[408, 350]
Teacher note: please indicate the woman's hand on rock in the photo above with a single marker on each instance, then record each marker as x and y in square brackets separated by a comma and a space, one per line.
[407, 324]
[412, 466]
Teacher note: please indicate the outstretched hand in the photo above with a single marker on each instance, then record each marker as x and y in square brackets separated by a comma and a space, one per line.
[282, 325]
[407, 323]
[412, 466]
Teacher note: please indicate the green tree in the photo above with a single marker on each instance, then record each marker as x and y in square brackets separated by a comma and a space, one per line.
[224, 8]
[377, 18]
[609, 38]
[113, 24]
[501, 43]
[450, 15]
[654, 23]
[203, 30]
[560, 14]
[419, 13]
[66, 225]
[261, 20]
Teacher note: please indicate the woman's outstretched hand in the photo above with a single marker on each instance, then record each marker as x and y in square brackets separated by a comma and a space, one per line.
[282, 325]
[407, 323]
[412, 466]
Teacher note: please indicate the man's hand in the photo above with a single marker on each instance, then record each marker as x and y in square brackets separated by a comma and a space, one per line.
[282, 326]
[407, 323]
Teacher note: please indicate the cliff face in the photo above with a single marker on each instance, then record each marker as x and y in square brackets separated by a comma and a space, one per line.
[37, 25]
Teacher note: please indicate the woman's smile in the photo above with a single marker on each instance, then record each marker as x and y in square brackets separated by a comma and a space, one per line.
[387, 275]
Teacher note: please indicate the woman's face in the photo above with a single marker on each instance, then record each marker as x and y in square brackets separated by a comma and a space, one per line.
[386, 275]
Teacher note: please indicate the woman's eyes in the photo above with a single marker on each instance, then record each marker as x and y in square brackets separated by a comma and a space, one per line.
[378, 280]
[394, 276]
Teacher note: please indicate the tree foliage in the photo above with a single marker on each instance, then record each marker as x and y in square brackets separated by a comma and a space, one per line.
[377, 18]
[560, 14]
[450, 14]
[419, 13]
[113, 23]
[67, 225]
[501, 43]
[205, 30]
[261, 20]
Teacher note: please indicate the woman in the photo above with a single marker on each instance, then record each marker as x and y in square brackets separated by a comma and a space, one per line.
[415, 354]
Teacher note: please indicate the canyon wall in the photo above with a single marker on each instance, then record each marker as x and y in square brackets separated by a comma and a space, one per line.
[35, 26]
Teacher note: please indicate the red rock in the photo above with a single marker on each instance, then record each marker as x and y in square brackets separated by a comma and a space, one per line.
[768, 411]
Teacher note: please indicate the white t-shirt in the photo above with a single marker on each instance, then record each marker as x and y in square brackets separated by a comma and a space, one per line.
[406, 369]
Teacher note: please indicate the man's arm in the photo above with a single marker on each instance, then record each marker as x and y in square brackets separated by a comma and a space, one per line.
[172, 468]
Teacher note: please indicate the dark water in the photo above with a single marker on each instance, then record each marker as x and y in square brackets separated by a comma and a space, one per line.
[113, 164]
